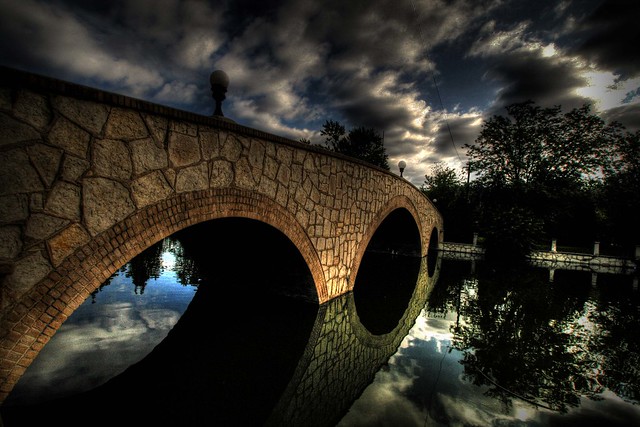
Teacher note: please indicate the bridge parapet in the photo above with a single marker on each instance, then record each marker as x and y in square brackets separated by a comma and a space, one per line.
[89, 179]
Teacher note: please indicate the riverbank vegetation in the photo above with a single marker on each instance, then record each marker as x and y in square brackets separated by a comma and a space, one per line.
[539, 174]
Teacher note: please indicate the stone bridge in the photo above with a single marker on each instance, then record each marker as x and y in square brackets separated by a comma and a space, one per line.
[89, 179]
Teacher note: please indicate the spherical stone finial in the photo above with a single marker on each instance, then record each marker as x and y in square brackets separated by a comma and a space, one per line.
[219, 83]
[401, 165]
[220, 78]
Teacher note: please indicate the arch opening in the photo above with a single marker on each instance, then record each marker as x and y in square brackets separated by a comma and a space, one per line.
[237, 331]
[249, 253]
[398, 234]
[388, 273]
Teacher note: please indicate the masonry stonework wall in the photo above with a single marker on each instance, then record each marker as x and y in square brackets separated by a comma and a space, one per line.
[342, 359]
[89, 179]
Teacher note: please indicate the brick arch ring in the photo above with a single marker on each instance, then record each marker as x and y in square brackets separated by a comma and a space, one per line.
[41, 312]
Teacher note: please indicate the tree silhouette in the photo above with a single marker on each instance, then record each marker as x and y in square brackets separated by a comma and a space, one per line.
[539, 145]
[444, 186]
[620, 197]
[146, 265]
[536, 166]
[362, 143]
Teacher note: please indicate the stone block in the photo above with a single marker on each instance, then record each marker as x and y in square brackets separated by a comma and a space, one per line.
[17, 174]
[64, 201]
[192, 178]
[70, 137]
[42, 226]
[158, 127]
[147, 155]
[66, 242]
[14, 208]
[33, 109]
[244, 177]
[126, 125]
[28, 271]
[231, 149]
[184, 150]
[10, 242]
[5, 98]
[105, 202]
[73, 168]
[183, 127]
[221, 173]
[13, 131]
[111, 159]
[88, 115]
[46, 160]
[149, 189]
[209, 144]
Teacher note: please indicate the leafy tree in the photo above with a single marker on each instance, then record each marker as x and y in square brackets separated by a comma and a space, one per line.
[442, 182]
[333, 132]
[536, 164]
[511, 317]
[510, 232]
[146, 265]
[444, 186]
[539, 145]
[621, 192]
[628, 150]
[361, 142]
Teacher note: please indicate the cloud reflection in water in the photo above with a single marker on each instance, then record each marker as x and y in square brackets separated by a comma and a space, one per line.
[106, 334]
[424, 385]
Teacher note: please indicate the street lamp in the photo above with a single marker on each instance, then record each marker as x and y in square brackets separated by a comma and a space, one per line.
[219, 83]
[401, 165]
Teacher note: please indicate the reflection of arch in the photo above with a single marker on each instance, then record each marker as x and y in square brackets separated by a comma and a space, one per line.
[185, 379]
[433, 252]
[342, 359]
[78, 276]
[424, 284]
[397, 202]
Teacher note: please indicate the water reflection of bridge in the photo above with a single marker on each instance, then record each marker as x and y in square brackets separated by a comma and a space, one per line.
[332, 356]
[343, 357]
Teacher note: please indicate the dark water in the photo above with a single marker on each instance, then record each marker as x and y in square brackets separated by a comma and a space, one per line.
[218, 326]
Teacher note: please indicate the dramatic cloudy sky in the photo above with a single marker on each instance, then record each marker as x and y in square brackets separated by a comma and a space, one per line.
[426, 73]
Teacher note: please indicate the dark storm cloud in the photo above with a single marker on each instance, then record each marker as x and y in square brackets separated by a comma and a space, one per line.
[628, 115]
[454, 134]
[295, 63]
[524, 68]
[372, 100]
[142, 48]
[612, 37]
[526, 76]
[364, 61]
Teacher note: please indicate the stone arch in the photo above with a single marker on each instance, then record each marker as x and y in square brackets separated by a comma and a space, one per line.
[186, 168]
[42, 310]
[245, 204]
[395, 203]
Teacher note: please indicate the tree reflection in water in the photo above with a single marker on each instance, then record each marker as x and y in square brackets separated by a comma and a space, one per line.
[515, 338]
[550, 344]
